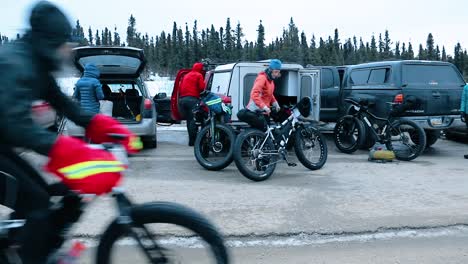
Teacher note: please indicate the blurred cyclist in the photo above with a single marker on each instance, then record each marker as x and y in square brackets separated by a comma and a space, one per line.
[26, 68]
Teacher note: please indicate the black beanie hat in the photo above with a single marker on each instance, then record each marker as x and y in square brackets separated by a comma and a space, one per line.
[50, 24]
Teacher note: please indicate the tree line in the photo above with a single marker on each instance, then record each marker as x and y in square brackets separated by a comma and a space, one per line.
[181, 47]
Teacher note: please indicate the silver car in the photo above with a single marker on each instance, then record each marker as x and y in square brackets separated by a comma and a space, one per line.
[125, 92]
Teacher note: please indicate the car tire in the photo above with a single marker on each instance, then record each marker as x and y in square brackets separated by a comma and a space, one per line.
[150, 142]
[431, 137]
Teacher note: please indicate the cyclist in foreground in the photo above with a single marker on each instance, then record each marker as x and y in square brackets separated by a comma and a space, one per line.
[26, 68]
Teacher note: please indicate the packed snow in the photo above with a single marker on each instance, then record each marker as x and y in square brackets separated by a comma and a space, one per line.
[155, 85]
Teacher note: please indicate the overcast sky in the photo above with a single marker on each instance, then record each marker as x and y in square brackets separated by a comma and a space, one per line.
[406, 20]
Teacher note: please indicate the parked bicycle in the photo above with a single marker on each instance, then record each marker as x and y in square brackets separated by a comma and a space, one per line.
[256, 153]
[214, 142]
[139, 233]
[406, 138]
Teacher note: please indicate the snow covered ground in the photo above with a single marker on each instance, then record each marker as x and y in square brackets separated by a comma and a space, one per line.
[155, 85]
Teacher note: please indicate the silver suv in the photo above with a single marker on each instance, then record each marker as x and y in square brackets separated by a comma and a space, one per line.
[122, 85]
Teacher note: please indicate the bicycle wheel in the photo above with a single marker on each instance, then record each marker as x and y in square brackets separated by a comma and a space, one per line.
[250, 157]
[310, 147]
[215, 156]
[349, 134]
[200, 242]
[406, 139]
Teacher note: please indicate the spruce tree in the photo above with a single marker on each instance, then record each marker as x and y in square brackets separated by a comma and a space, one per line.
[437, 52]
[444, 54]
[90, 36]
[196, 42]
[239, 35]
[410, 52]
[362, 52]
[229, 41]
[380, 56]
[458, 57]
[387, 51]
[373, 55]
[314, 53]
[105, 35]
[131, 31]
[260, 45]
[404, 52]
[430, 51]
[98, 38]
[188, 47]
[116, 37]
[304, 50]
[397, 50]
[422, 53]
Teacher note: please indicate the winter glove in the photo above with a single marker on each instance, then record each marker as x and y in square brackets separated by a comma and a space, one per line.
[266, 110]
[276, 107]
[82, 168]
[101, 126]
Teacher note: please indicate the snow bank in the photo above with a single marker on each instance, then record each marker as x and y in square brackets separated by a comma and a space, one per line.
[155, 85]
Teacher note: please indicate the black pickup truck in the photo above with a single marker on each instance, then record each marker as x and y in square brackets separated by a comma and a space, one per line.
[434, 86]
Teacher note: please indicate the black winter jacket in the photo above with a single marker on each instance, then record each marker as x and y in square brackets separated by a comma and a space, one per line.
[25, 76]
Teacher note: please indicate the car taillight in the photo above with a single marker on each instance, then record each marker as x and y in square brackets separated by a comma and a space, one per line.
[398, 99]
[148, 104]
[226, 99]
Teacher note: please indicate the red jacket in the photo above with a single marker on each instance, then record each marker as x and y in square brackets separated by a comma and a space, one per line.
[262, 93]
[193, 83]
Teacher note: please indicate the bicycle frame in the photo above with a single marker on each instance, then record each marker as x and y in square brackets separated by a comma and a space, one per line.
[364, 114]
[293, 119]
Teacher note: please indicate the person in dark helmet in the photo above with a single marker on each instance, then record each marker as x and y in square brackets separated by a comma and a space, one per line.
[192, 85]
[26, 68]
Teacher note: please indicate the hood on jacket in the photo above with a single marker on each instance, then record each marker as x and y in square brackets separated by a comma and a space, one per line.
[50, 28]
[198, 67]
[91, 70]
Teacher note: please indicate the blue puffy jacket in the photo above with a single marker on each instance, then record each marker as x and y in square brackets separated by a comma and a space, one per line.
[464, 100]
[88, 89]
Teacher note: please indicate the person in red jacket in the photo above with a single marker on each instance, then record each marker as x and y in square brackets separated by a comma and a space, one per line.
[192, 85]
[262, 98]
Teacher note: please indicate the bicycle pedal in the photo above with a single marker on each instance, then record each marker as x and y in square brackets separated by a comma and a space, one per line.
[292, 164]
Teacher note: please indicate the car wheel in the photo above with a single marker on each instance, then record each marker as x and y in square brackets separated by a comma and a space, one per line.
[431, 137]
[150, 142]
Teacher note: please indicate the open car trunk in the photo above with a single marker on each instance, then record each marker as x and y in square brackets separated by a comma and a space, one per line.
[127, 101]
[112, 62]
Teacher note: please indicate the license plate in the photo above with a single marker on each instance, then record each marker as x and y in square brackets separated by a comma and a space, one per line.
[436, 121]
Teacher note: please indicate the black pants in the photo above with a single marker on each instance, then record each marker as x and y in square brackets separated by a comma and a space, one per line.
[186, 105]
[41, 233]
[254, 119]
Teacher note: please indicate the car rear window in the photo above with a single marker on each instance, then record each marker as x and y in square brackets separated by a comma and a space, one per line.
[359, 77]
[126, 88]
[431, 75]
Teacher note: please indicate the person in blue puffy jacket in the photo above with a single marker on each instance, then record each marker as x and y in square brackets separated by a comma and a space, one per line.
[464, 107]
[88, 89]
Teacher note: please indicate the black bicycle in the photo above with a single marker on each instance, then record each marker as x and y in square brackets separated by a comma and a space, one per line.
[256, 152]
[404, 137]
[141, 233]
[214, 142]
